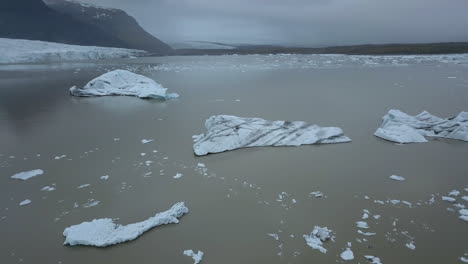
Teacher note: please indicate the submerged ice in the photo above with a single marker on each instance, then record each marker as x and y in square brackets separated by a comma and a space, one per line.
[403, 128]
[226, 132]
[104, 232]
[122, 82]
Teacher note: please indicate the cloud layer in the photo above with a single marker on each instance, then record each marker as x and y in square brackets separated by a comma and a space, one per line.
[300, 22]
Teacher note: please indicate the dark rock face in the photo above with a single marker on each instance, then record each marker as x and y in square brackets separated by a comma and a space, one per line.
[115, 22]
[72, 23]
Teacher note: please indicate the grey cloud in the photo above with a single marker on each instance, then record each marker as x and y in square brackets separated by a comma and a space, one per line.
[300, 22]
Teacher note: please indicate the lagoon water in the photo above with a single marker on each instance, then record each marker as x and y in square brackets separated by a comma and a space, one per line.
[243, 195]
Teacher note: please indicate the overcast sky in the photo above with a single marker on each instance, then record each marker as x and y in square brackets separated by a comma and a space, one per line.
[300, 22]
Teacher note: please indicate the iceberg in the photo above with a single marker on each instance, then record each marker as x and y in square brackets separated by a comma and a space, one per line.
[400, 127]
[26, 175]
[104, 232]
[122, 82]
[227, 132]
[33, 51]
[317, 237]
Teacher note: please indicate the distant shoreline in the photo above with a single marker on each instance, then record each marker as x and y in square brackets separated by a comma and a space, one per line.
[369, 49]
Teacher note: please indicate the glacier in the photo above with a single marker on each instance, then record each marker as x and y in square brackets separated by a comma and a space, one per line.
[34, 51]
[400, 127]
[122, 82]
[227, 132]
[104, 232]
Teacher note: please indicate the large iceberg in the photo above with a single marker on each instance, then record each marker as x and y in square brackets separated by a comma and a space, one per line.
[33, 51]
[403, 128]
[226, 132]
[122, 82]
[104, 232]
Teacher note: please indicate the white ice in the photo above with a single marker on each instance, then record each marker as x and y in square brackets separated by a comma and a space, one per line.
[104, 232]
[178, 176]
[32, 51]
[400, 127]
[105, 177]
[48, 189]
[410, 245]
[197, 258]
[122, 82]
[146, 141]
[397, 178]
[449, 199]
[347, 254]
[374, 260]
[317, 237]
[27, 174]
[25, 202]
[362, 224]
[226, 132]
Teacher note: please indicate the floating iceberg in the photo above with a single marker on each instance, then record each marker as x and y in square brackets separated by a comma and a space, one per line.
[122, 82]
[26, 175]
[397, 178]
[347, 255]
[104, 232]
[197, 258]
[317, 237]
[227, 132]
[403, 128]
[33, 51]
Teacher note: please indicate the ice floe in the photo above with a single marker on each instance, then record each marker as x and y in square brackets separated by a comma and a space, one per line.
[397, 178]
[27, 174]
[410, 245]
[362, 224]
[463, 215]
[48, 189]
[317, 237]
[146, 141]
[178, 176]
[448, 199]
[347, 254]
[32, 51]
[105, 177]
[226, 132]
[400, 127]
[104, 232]
[373, 260]
[122, 82]
[197, 258]
[25, 202]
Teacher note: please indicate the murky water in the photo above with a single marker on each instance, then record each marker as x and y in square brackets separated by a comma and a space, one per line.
[234, 203]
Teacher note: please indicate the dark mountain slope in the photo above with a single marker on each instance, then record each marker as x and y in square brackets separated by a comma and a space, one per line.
[115, 22]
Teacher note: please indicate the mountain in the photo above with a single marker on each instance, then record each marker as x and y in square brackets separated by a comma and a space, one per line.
[34, 20]
[115, 22]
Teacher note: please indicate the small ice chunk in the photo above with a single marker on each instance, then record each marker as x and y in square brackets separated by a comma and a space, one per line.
[275, 236]
[317, 194]
[411, 245]
[47, 189]
[366, 233]
[449, 199]
[465, 198]
[463, 212]
[27, 174]
[25, 202]
[104, 232]
[197, 258]
[394, 202]
[60, 157]
[91, 203]
[105, 177]
[201, 165]
[362, 224]
[317, 237]
[347, 254]
[377, 217]
[397, 178]
[83, 186]
[373, 260]
[454, 193]
[146, 141]
[178, 176]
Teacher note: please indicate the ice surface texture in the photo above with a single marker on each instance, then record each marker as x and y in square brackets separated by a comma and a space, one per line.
[33, 51]
[122, 82]
[226, 132]
[402, 128]
[104, 232]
